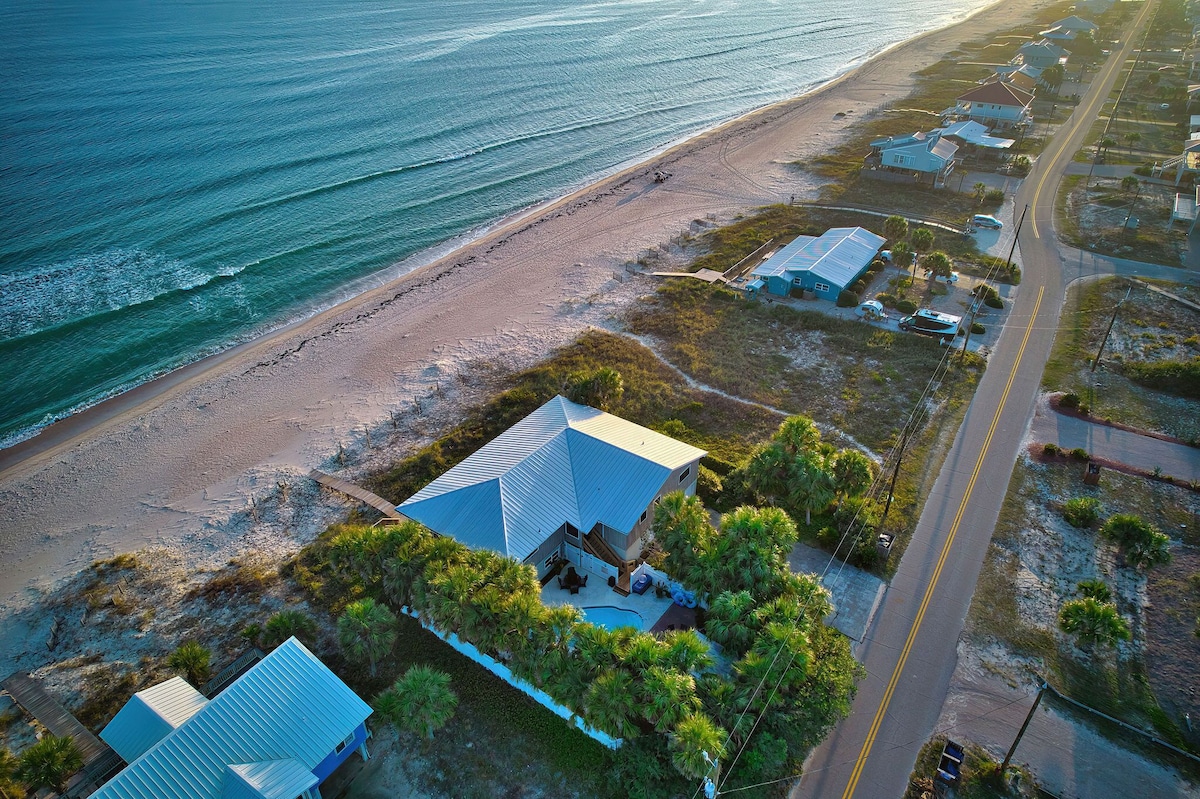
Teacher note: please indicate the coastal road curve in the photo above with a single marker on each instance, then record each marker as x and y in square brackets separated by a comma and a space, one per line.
[910, 651]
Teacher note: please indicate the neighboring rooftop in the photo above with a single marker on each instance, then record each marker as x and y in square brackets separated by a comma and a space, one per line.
[972, 132]
[838, 255]
[564, 463]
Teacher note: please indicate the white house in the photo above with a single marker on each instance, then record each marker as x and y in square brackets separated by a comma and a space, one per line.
[565, 476]
[276, 733]
[997, 105]
[927, 157]
[972, 134]
[825, 265]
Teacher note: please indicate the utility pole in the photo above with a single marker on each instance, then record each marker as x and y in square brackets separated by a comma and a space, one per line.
[895, 473]
[1028, 718]
[1111, 322]
[979, 299]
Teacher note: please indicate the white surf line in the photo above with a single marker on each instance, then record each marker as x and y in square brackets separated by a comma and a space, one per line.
[826, 429]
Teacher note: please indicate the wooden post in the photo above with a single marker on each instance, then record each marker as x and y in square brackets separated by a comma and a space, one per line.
[1028, 718]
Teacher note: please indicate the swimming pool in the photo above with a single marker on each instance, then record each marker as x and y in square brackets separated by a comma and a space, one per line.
[612, 617]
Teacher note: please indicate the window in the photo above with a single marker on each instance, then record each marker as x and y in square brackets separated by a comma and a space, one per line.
[796, 281]
[342, 746]
[822, 287]
[643, 518]
[684, 474]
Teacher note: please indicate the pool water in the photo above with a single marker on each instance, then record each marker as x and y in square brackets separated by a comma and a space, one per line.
[612, 617]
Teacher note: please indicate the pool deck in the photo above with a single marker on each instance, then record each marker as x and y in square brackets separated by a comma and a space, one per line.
[651, 608]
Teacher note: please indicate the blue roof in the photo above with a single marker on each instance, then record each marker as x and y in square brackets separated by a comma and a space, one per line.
[289, 707]
[838, 255]
[150, 715]
[564, 463]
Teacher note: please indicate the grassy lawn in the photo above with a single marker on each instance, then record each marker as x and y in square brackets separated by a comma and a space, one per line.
[1148, 327]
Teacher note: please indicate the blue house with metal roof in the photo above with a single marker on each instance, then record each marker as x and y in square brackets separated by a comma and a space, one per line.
[276, 733]
[824, 265]
[561, 475]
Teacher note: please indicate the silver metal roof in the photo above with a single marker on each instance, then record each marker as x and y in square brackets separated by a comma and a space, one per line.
[290, 706]
[273, 779]
[151, 715]
[564, 463]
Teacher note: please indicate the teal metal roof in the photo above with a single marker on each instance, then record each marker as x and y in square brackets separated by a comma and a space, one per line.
[151, 715]
[564, 463]
[838, 255]
[273, 779]
[290, 706]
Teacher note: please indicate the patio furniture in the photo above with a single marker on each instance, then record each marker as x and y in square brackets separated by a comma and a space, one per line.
[561, 583]
[583, 581]
[575, 589]
[641, 585]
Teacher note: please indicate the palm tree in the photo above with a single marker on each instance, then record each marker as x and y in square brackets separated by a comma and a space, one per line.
[1141, 542]
[642, 652]
[979, 191]
[600, 389]
[1132, 138]
[449, 604]
[729, 620]
[193, 660]
[610, 704]
[1093, 622]
[811, 487]
[288, 623]
[938, 264]
[686, 651]
[852, 473]
[695, 741]
[9, 787]
[922, 239]
[903, 256]
[420, 702]
[798, 435]
[49, 763]
[406, 563]
[1053, 76]
[668, 696]
[895, 228]
[367, 631]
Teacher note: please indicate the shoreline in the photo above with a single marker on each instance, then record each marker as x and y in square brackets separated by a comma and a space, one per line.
[179, 461]
[92, 413]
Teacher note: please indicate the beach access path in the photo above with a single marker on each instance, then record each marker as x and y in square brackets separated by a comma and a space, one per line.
[172, 463]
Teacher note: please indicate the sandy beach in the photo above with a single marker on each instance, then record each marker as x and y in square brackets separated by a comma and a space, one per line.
[212, 460]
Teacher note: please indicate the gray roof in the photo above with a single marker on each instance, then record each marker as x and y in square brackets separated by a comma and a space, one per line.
[972, 132]
[564, 463]
[290, 706]
[838, 255]
[1076, 23]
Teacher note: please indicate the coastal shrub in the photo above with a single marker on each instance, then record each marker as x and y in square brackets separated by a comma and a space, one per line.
[1051, 448]
[1069, 400]
[859, 288]
[1175, 377]
[887, 300]
[993, 301]
[1079, 454]
[994, 196]
[1141, 542]
[420, 702]
[718, 465]
[1093, 622]
[1082, 512]
[985, 291]
[906, 306]
[878, 265]
[287, 623]
[193, 660]
[847, 299]
[977, 329]
[1096, 589]
[49, 763]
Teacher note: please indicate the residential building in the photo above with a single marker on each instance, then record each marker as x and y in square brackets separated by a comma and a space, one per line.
[1058, 35]
[825, 265]
[565, 479]
[276, 733]
[1076, 24]
[924, 157]
[974, 136]
[997, 105]
[1042, 54]
[1018, 77]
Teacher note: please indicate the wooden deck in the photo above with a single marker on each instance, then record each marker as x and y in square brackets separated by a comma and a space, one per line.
[53, 716]
[361, 494]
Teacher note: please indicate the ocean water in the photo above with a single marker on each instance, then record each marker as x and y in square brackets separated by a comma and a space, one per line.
[178, 177]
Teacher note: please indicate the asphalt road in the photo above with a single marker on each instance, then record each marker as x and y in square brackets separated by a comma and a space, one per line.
[910, 652]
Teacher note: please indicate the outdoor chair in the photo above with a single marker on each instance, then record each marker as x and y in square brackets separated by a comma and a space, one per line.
[575, 589]
[561, 583]
[583, 581]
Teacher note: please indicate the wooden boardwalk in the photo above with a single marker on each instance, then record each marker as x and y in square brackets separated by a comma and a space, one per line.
[53, 716]
[361, 494]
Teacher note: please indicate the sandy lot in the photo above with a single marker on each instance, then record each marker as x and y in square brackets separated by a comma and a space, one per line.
[184, 462]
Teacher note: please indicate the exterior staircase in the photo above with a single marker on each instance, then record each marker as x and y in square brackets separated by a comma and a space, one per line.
[597, 546]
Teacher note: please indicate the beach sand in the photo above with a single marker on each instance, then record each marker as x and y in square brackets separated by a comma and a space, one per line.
[196, 461]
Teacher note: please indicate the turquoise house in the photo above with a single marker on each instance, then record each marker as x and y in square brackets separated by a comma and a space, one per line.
[823, 265]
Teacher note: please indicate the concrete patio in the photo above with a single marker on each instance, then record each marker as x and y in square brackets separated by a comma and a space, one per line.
[598, 594]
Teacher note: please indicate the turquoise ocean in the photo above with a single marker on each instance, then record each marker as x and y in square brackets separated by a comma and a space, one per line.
[180, 176]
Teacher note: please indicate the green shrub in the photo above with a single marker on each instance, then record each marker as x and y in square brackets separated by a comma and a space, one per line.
[1080, 454]
[1082, 512]
[994, 196]
[1051, 448]
[1142, 543]
[847, 299]
[721, 467]
[977, 329]
[859, 288]
[993, 301]
[906, 306]
[1175, 377]
[985, 291]
[708, 486]
[1069, 400]
[1096, 589]
[888, 300]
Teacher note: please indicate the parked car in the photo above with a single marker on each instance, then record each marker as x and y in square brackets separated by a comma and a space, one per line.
[986, 220]
[885, 256]
[952, 279]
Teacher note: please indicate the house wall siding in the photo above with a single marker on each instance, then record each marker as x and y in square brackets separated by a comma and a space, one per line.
[549, 547]
[335, 759]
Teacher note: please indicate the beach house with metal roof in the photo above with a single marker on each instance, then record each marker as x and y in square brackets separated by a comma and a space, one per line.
[825, 265]
[565, 478]
[276, 733]
[1076, 24]
[1042, 54]
[926, 158]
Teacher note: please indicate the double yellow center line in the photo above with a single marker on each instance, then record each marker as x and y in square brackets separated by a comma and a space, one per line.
[937, 572]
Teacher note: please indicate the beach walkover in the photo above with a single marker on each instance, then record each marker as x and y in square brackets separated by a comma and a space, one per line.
[361, 494]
